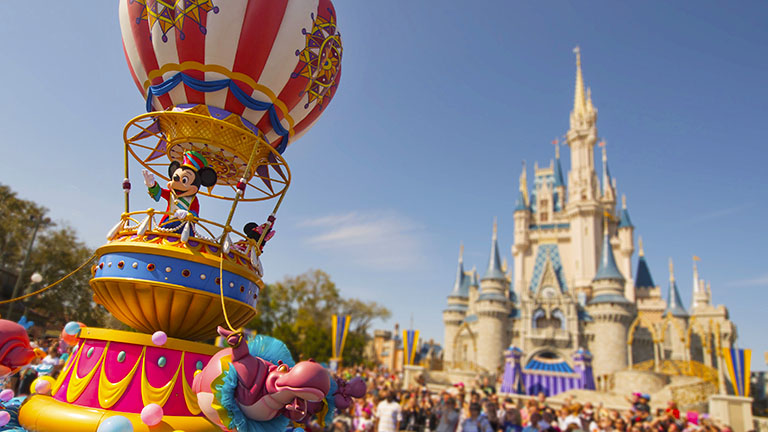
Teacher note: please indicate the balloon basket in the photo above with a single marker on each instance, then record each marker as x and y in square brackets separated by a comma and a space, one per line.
[117, 373]
[158, 281]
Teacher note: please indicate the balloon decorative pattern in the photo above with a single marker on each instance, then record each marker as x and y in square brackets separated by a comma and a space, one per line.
[321, 59]
[171, 15]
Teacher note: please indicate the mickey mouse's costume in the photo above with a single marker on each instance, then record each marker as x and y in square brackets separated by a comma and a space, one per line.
[186, 179]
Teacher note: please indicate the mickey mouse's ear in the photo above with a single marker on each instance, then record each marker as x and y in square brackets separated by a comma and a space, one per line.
[172, 168]
[207, 176]
[250, 230]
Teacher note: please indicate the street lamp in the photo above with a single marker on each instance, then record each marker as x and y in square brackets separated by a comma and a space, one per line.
[39, 220]
[36, 278]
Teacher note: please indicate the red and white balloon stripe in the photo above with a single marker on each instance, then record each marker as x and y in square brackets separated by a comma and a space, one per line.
[284, 52]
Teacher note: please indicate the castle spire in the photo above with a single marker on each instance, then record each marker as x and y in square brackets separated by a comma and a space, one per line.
[674, 301]
[460, 287]
[579, 104]
[695, 275]
[643, 278]
[607, 267]
[522, 200]
[558, 169]
[624, 220]
[494, 263]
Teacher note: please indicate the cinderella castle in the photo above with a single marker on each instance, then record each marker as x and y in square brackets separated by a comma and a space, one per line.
[573, 294]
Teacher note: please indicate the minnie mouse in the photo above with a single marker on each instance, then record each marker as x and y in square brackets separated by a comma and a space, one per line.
[186, 179]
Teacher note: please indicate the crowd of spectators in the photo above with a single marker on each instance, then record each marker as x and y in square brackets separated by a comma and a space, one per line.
[478, 408]
[387, 407]
[56, 352]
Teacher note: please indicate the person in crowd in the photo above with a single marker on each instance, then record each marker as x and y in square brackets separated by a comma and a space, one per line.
[449, 416]
[388, 413]
[475, 422]
[672, 410]
[587, 418]
[365, 422]
[491, 411]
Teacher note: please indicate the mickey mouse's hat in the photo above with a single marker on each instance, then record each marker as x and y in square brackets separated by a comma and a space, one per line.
[194, 160]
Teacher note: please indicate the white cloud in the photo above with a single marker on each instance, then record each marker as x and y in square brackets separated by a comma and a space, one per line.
[382, 240]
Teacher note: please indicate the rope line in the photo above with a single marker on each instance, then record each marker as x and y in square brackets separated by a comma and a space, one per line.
[41, 290]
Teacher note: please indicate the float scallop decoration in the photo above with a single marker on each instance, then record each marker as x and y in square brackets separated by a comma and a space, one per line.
[114, 372]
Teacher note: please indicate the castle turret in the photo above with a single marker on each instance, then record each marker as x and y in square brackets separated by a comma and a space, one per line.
[492, 311]
[559, 182]
[456, 311]
[626, 233]
[643, 278]
[701, 298]
[583, 207]
[522, 241]
[611, 312]
[608, 195]
[678, 316]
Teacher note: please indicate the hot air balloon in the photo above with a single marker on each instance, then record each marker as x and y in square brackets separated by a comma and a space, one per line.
[226, 86]
[233, 82]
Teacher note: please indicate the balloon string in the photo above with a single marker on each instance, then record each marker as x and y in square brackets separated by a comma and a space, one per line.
[51, 285]
[228, 228]
[221, 291]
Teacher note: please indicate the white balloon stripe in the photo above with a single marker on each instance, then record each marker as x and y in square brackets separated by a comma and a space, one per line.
[254, 116]
[166, 52]
[129, 42]
[223, 32]
[282, 58]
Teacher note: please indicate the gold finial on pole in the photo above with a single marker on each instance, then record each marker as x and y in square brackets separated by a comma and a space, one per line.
[461, 252]
[495, 228]
[641, 252]
[623, 202]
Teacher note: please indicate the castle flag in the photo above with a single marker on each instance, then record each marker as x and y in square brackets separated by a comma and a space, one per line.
[410, 342]
[339, 330]
[737, 362]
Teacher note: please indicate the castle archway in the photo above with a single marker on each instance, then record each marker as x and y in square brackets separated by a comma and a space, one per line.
[464, 349]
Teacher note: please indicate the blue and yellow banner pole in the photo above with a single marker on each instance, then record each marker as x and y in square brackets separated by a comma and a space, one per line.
[339, 331]
[410, 344]
[738, 364]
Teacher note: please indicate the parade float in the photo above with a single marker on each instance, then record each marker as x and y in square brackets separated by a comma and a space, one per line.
[227, 86]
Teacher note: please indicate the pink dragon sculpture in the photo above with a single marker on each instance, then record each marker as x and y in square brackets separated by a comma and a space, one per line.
[264, 390]
[15, 349]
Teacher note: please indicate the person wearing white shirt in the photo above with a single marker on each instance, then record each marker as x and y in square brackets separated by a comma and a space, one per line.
[388, 414]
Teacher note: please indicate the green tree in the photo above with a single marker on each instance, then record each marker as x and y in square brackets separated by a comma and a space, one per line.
[17, 221]
[298, 311]
[56, 252]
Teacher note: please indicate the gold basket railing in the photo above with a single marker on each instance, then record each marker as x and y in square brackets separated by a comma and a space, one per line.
[142, 224]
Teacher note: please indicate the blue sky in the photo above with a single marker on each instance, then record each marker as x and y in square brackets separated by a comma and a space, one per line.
[422, 146]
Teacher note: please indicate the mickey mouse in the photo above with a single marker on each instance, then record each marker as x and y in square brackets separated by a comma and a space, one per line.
[186, 179]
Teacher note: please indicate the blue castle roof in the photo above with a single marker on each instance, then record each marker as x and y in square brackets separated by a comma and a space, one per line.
[624, 221]
[643, 278]
[608, 268]
[520, 203]
[494, 263]
[461, 285]
[674, 302]
[558, 172]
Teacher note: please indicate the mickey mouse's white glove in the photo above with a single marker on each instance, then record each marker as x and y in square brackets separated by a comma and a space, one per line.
[149, 179]
[180, 214]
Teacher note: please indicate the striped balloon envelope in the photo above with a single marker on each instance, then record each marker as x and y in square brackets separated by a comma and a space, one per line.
[274, 63]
